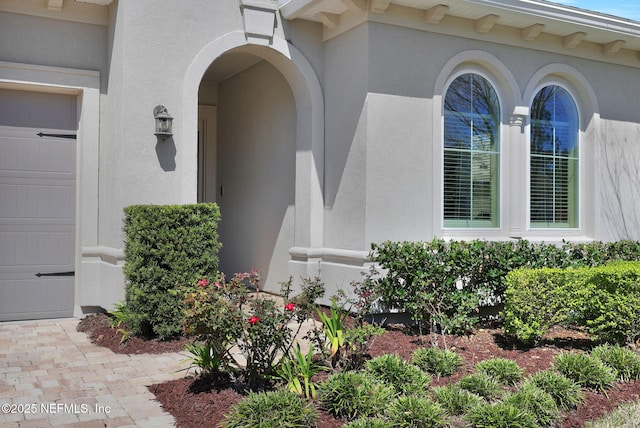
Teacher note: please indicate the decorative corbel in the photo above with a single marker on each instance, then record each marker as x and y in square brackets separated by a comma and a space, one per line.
[435, 14]
[573, 40]
[329, 20]
[613, 48]
[379, 6]
[55, 5]
[354, 5]
[532, 32]
[486, 23]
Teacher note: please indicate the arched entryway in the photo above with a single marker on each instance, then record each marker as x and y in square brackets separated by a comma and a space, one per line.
[256, 114]
[246, 161]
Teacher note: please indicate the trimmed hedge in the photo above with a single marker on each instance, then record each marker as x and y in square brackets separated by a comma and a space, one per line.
[167, 247]
[605, 299]
[441, 284]
[481, 265]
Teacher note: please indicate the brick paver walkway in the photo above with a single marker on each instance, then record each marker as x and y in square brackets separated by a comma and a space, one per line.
[52, 375]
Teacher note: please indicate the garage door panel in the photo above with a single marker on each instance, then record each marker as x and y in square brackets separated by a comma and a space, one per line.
[37, 201]
[37, 204]
[29, 153]
[36, 298]
[36, 248]
[34, 109]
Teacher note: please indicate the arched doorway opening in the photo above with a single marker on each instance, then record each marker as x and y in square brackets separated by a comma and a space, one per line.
[247, 123]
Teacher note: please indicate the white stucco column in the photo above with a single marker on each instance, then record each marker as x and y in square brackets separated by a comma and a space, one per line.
[516, 185]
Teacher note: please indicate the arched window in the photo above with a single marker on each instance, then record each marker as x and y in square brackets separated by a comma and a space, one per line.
[471, 153]
[553, 186]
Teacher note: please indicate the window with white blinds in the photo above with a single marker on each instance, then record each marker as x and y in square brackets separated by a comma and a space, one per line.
[471, 153]
[553, 186]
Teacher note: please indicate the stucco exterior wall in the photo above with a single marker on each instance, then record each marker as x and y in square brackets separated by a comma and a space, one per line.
[617, 189]
[51, 42]
[346, 68]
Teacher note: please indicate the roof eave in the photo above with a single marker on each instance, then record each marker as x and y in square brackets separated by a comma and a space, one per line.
[292, 9]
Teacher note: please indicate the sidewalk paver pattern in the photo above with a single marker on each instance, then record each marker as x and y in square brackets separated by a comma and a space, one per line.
[52, 375]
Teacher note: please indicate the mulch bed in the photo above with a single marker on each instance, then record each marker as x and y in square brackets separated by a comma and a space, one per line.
[196, 403]
[101, 333]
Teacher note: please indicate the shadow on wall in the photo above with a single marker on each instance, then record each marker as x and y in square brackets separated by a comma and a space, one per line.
[621, 174]
[166, 152]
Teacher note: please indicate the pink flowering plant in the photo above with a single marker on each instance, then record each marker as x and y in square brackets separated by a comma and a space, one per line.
[236, 313]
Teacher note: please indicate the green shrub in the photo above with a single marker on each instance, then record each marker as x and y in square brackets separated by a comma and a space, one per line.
[535, 300]
[440, 362]
[272, 409]
[462, 270]
[415, 412]
[500, 415]
[166, 248]
[475, 265]
[352, 395]
[455, 400]
[623, 360]
[367, 423]
[395, 371]
[505, 371]
[565, 392]
[535, 401]
[598, 253]
[612, 310]
[480, 384]
[606, 299]
[422, 279]
[586, 370]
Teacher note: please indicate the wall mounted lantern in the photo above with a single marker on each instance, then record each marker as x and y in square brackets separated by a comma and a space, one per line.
[164, 122]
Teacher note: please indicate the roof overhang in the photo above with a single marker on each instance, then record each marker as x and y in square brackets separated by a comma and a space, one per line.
[531, 19]
[86, 11]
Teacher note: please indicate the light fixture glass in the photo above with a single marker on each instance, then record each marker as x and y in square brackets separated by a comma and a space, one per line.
[164, 122]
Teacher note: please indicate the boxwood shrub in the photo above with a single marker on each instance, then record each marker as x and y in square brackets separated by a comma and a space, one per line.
[167, 247]
[606, 299]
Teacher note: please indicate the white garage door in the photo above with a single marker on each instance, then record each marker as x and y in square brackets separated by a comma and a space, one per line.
[37, 204]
